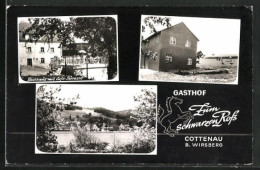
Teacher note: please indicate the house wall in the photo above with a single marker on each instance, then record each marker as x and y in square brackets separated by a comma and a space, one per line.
[153, 46]
[36, 53]
[179, 58]
[179, 52]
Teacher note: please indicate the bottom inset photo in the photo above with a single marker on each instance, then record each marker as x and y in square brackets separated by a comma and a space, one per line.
[96, 119]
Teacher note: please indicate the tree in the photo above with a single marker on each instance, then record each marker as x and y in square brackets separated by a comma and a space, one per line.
[200, 55]
[49, 107]
[146, 110]
[46, 122]
[145, 114]
[99, 32]
[119, 122]
[153, 21]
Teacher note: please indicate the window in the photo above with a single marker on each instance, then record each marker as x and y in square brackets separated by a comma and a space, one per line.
[172, 40]
[189, 61]
[168, 58]
[52, 50]
[42, 49]
[188, 43]
[42, 60]
[29, 49]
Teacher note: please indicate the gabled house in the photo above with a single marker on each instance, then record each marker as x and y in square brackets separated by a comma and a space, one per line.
[94, 127]
[38, 54]
[172, 48]
[121, 127]
[124, 127]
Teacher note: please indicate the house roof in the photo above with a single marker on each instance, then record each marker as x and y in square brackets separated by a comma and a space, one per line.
[159, 32]
[23, 26]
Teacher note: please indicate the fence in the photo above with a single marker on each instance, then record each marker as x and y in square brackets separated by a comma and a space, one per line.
[91, 68]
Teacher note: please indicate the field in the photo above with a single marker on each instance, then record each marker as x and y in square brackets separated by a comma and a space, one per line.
[205, 64]
[112, 138]
[80, 113]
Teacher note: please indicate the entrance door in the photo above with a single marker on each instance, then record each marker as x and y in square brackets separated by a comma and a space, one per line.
[29, 62]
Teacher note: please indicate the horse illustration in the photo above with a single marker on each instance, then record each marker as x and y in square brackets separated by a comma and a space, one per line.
[172, 114]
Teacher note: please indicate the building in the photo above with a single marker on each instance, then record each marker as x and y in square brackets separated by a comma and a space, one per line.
[124, 127]
[94, 127]
[38, 54]
[172, 48]
[121, 127]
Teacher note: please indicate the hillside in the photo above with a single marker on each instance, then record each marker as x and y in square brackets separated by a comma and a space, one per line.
[124, 114]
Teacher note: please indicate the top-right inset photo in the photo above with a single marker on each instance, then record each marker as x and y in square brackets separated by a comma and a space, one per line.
[189, 49]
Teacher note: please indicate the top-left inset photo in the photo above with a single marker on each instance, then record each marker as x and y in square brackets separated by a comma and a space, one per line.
[68, 49]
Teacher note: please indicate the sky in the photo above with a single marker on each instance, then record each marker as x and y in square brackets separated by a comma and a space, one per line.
[113, 97]
[216, 35]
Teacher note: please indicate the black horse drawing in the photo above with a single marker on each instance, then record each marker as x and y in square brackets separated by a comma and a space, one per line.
[167, 117]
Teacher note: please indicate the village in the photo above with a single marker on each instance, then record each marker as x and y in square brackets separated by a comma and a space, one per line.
[91, 123]
[78, 121]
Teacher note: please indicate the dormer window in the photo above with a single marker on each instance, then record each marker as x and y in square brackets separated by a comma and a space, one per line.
[188, 43]
[173, 40]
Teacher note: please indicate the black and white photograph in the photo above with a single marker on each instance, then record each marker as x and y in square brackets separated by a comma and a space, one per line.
[96, 119]
[189, 49]
[67, 48]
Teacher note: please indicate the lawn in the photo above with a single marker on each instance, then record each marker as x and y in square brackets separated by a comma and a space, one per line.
[112, 138]
[173, 76]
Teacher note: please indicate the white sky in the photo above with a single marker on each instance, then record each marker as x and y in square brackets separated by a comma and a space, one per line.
[216, 35]
[113, 97]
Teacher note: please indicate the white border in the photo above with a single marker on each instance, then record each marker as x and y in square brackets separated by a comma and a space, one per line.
[140, 56]
[37, 151]
[21, 81]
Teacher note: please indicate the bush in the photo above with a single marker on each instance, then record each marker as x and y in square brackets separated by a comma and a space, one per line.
[144, 140]
[61, 148]
[86, 142]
